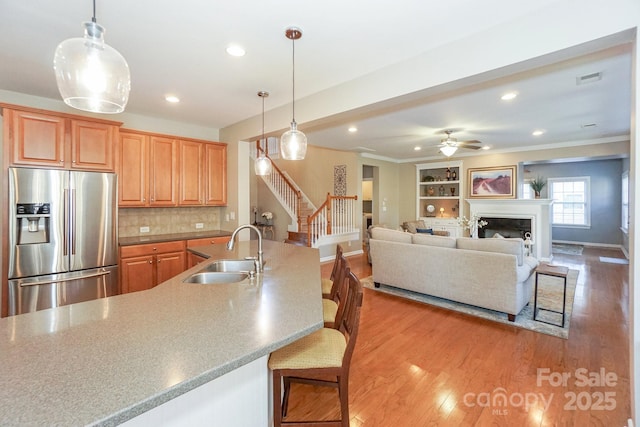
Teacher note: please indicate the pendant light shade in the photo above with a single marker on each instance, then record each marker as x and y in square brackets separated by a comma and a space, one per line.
[91, 75]
[262, 164]
[293, 143]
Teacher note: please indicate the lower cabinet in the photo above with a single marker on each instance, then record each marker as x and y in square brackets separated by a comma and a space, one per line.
[144, 266]
[193, 259]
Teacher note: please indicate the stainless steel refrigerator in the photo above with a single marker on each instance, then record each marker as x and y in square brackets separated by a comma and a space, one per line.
[63, 238]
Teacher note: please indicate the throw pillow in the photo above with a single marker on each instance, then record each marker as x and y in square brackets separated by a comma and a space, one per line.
[424, 230]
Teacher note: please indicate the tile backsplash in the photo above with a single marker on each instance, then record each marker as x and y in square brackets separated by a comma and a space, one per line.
[167, 220]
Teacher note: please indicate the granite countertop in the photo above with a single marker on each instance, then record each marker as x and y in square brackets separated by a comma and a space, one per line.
[105, 361]
[138, 240]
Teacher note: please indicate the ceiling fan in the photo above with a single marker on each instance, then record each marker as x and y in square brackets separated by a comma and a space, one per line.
[450, 145]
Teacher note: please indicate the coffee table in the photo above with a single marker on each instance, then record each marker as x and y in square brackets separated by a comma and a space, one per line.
[555, 271]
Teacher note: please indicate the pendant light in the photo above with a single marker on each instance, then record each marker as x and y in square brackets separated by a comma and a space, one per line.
[262, 163]
[91, 75]
[293, 143]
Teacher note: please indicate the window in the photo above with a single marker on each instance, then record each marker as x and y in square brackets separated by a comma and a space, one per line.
[625, 202]
[570, 201]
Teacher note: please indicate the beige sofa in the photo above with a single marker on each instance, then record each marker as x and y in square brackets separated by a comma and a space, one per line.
[490, 273]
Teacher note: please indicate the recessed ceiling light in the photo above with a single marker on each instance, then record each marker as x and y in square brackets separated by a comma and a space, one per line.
[486, 147]
[509, 96]
[172, 99]
[417, 148]
[235, 50]
[353, 129]
[537, 132]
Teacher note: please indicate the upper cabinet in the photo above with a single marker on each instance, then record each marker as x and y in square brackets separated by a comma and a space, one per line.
[60, 141]
[159, 170]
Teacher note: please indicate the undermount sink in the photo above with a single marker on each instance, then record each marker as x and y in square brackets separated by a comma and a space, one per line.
[215, 277]
[231, 265]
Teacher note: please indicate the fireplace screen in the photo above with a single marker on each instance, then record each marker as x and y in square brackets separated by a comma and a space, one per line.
[506, 227]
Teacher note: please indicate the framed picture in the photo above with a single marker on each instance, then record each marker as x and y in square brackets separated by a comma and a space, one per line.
[492, 183]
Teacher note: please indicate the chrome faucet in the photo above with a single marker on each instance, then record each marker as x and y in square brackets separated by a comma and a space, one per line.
[231, 243]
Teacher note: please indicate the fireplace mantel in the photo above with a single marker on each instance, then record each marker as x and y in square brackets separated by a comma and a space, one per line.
[538, 210]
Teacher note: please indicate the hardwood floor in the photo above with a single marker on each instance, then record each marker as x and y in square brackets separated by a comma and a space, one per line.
[418, 365]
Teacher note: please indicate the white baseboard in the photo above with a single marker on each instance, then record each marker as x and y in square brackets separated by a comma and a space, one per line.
[590, 244]
[346, 254]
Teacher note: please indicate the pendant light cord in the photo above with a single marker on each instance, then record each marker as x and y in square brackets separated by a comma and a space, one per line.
[293, 80]
[266, 146]
[93, 19]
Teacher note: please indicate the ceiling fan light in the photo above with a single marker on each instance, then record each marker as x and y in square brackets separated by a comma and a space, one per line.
[91, 75]
[448, 150]
[293, 144]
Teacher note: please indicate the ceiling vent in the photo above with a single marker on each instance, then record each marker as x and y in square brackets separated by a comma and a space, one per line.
[588, 78]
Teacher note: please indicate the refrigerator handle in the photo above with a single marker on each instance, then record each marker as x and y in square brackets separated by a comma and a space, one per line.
[69, 279]
[65, 242]
[72, 230]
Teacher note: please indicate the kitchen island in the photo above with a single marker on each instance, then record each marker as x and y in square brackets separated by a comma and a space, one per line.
[107, 361]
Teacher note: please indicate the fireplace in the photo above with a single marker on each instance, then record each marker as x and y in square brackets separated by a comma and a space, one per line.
[536, 212]
[505, 227]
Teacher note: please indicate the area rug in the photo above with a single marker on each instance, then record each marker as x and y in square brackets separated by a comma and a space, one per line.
[558, 248]
[549, 296]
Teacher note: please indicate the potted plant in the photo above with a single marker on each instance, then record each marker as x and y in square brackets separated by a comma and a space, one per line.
[537, 185]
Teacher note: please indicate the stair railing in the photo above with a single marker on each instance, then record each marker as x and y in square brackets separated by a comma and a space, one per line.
[336, 215]
[286, 190]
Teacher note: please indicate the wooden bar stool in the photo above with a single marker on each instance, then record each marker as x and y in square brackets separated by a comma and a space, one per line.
[327, 284]
[317, 359]
[333, 308]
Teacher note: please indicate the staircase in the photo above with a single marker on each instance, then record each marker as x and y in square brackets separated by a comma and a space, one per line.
[333, 222]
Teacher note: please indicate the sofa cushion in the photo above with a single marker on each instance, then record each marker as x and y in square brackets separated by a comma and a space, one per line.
[380, 233]
[429, 240]
[412, 226]
[511, 246]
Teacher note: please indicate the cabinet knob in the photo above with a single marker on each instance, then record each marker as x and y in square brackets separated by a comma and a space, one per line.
[155, 249]
[150, 261]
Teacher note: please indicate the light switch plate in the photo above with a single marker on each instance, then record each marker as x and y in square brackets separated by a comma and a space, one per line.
[199, 225]
[144, 229]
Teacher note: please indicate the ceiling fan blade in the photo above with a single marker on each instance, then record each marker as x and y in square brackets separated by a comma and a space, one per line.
[470, 146]
[472, 141]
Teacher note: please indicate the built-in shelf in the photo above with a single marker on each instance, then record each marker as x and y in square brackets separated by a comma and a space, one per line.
[438, 199]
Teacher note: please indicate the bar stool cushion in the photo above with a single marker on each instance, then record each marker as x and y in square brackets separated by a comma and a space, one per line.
[321, 349]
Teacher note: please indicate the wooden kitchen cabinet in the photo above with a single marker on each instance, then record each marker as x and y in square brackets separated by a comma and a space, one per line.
[38, 138]
[147, 170]
[216, 174]
[193, 259]
[144, 266]
[192, 174]
[157, 170]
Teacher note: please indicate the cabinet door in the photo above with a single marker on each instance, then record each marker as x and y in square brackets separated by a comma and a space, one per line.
[36, 139]
[92, 145]
[193, 259]
[169, 265]
[137, 273]
[133, 177]
[191, 173]
[163, 176]
[216, 174]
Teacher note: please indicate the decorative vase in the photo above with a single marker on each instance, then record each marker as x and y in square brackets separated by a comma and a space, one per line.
[536, 194]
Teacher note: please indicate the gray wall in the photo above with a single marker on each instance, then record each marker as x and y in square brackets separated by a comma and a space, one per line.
[605, 198]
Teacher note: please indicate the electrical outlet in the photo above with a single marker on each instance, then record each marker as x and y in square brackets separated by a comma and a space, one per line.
[144, 229]
[199, 225]
[232, 215]
[226, 217]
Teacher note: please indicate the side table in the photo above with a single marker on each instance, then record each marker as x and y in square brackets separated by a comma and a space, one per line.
[264, 228]
[555, 271]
